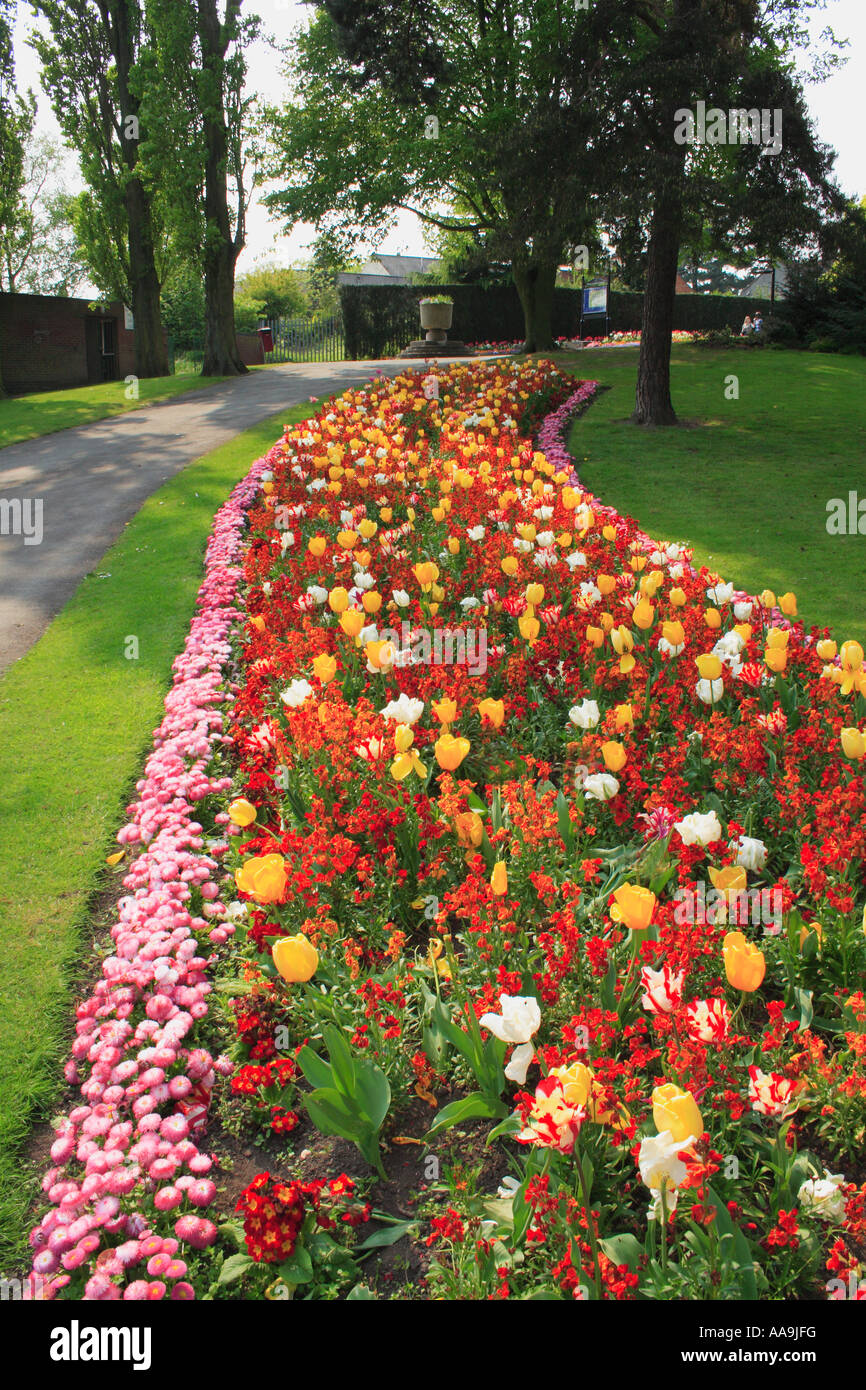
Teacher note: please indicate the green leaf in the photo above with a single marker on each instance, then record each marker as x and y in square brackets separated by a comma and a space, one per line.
[623, 1249]
[317, 1071]
[509, 1127]
[476, 1106]
[801, 1010]
[298, 1268]
[327, 1110]
[342, 1061]
[734, 1241]
[361, 1293]
[372, 1091]
[388, 1235]
[563, 823]
[234, 1267]
[476, 804]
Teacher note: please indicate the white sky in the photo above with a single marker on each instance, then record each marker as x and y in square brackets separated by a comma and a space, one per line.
[835, 106]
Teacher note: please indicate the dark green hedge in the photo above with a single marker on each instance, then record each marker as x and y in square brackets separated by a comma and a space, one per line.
[380, 320]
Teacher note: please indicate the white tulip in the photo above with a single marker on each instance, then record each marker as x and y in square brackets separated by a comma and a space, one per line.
[585, 715]
[404, 710]
[751, 854]
[697, 829]
[600, 787]
[295, 694]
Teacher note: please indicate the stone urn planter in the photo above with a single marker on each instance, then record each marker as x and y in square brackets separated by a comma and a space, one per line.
[436, 316]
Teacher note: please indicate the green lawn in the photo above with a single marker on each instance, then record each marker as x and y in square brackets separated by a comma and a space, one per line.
[76, 719]
[747, 485]
[46, 412]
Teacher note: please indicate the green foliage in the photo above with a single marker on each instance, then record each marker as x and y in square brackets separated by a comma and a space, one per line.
[278, 289]
[351, 1096]
[183, 306]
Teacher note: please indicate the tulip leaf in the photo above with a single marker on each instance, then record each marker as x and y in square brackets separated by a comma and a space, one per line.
[388, 1235]
[476, 1106]
[801, 1010]
[234, 1267]
[623, 1249]
[476, 804]
[342, 1061]
[361, 1293]
[317, 1071]
[563, 823]
[507, 1129]
[327, 1110]
[372, 1092]
[734, 1242]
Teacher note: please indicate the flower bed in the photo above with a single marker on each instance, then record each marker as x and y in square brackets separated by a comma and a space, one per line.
[129, 1191]
[541, 836]
[630, 849]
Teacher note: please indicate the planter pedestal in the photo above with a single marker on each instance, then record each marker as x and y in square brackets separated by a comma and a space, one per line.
[437, 347]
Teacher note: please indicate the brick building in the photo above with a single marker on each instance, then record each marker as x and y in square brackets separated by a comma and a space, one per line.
[47, 343]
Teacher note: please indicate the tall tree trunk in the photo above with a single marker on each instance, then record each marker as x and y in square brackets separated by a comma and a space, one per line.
[123, 24]
[221, 249]
[535, 281]
[151, 350]
[653, 404]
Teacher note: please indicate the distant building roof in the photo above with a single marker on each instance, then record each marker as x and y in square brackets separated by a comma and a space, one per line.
[760, 287]
[397, 270]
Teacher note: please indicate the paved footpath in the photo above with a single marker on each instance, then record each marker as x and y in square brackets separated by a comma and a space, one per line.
[93, 479]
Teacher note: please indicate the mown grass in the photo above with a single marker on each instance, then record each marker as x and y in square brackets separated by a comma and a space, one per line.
[745, 481]
[46, 412]
[76, 718]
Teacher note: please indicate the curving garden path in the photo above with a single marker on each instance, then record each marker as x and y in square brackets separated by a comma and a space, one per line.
[93, 479]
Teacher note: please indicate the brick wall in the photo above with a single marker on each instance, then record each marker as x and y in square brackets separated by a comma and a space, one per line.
[48, 343]
[250, 349]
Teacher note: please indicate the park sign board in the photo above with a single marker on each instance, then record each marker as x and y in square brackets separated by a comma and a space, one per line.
[595, 297]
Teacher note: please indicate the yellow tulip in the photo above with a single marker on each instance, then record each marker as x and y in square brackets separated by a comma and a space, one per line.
[674, 634]
[623, 717]
[731, 880]
[338, 600]
[534, 594]
[777, 638]
[347, 539]
[776, 659]
[242, 812]
[450, 751]
[352, 621]
[263, 877]
[575, 1081]
[493, 712]
[324, 667]
[709, 667]
[605, 583]
[745, 965]
[372, 601]
[633, 906]
[805, 931]
[509, 565]
[788, 605]
[594, 636]
[529, 627]
[675, 1111]
[677, 597]
[644, 615]
[296, 958]
[767, 598]
[853, 744]
[404, 737]
[470, 828]
[713, 618]
[317, 545]
[615, 756]
[445, 711]
[368, 528]
[499, 880]
[826, 649]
